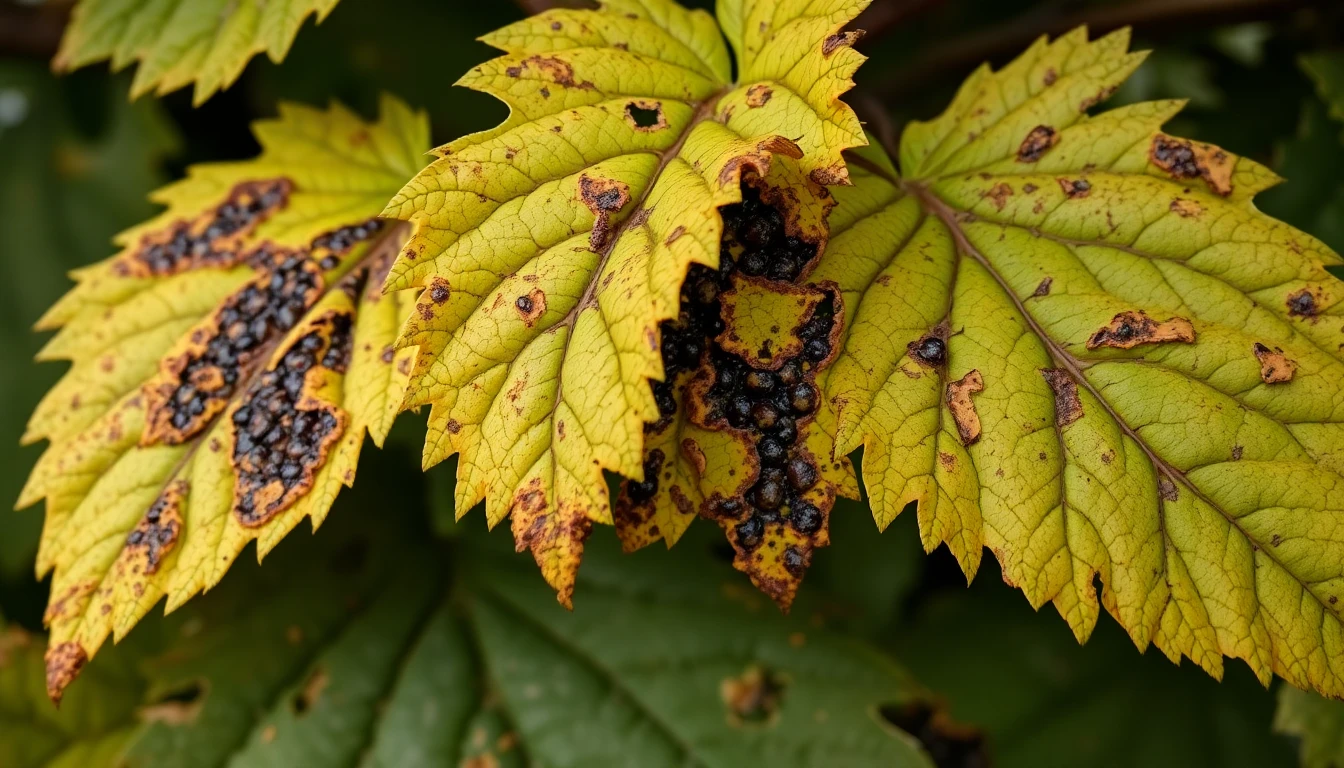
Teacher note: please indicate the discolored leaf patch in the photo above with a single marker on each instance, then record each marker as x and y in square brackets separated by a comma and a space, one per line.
[1275, 367]
[1037, 143]
[961, 402]
[226, 367]
[1100, 330]
[1131, 329]
[1185, 159]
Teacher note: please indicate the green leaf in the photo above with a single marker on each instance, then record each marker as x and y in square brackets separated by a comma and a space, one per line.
[1074, 340]
[1046, 702]
[376, 656]
[1318, 722]
[73, 151]
[180, 42]
[1326, 70]
[548, 249]
[226, 365]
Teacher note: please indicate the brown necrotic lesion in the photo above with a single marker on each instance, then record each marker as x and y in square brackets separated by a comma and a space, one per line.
[196, 383]
[216, 238]
[770, 401]
[283, 431]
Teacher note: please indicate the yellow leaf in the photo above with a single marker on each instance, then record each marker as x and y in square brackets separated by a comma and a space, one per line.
[180, 42]
[549, 249]
[226, 365]
[1073, 339]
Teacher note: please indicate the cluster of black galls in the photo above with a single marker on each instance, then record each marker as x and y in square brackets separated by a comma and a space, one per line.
[248, 320]
[765, 404]
[154, 533]
[248, 204]
[276, 441]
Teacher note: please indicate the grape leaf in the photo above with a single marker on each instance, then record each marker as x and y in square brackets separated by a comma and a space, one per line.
[548, 249]
[375, 658]
[1046, 702]
[177, 43]
[1318, 722]
[1074, 340]
[226, 365]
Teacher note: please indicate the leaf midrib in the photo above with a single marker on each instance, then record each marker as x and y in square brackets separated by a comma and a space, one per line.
[947, 215]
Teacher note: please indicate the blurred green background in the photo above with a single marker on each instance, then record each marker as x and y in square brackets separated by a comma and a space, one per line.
[77, 160]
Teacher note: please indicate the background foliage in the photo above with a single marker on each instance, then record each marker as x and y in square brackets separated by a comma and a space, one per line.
[1263, 78]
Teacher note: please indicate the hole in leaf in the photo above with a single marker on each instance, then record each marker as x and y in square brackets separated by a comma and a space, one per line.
[312, 689]
[949, 744]
[179, 705]
[643, 117]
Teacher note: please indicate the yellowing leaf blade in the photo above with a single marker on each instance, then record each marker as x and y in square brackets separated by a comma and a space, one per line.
[549, 249]
[227, 365]
[1105, 365]
[176, 43]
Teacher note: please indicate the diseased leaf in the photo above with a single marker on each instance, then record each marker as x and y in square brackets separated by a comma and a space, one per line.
[1317, 722]
[225, 368]
[1074, 340]
[548, 249]
[374, 658]
[743, 436]
[60, 167]
[179, 42]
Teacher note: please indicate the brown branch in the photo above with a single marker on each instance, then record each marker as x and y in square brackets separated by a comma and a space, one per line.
[32, 31]
[1154, 18]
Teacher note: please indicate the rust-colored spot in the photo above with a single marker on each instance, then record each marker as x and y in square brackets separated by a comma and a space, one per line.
[1130, 329]
[1186, 209]
[999, 193]
[694, 454]
[1037, 143]
[675, 235]
[554, 535]
[1050, 76]
[453, 426]
[948, 461]
[64, 662]
[839, 40]
[759, 95]
[284, 432]
[830, 176]
[1068, 408]
[551, 68]
[1303, 303]
[754, 696]
[157, 532]
[1044, 288]
[1096, 98]
[1075, 188]
[959, 401]
[1184, 159]
[645, 116]
[1237, 452]
[604, 197]
[1275, 367]
[213, 239]
[531, 307]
